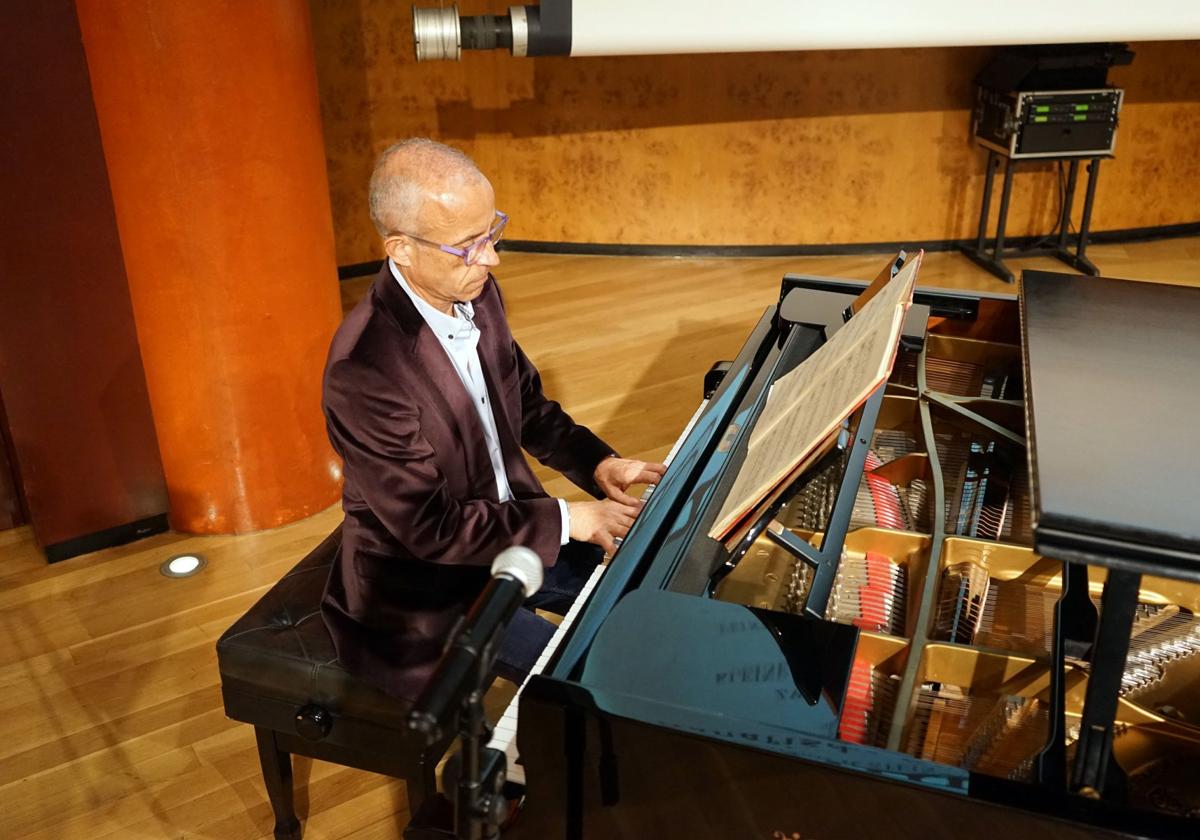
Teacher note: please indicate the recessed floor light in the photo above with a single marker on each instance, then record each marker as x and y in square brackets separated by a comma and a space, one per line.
[183, 565]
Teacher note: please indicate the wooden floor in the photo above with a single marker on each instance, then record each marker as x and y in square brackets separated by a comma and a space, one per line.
[110, 706]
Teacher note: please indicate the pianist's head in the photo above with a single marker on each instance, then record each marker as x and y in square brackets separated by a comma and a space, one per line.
[437, 215]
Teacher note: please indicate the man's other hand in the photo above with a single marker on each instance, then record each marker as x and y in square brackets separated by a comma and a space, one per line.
[600, 522]
[617, 475]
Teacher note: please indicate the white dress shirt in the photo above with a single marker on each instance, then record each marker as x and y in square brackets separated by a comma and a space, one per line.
[459, 337]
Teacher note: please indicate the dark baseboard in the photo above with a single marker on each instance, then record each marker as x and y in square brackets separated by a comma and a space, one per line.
[530, 246]
[120, 535]
[1146, 234]
[346, 272]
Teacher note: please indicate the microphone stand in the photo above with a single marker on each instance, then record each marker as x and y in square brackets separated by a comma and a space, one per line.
[457, 690]
[480, 806]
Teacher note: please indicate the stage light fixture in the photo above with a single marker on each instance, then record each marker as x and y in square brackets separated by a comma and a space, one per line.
[182, 565]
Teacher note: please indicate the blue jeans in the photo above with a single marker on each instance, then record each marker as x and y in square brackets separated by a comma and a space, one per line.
[528, 633]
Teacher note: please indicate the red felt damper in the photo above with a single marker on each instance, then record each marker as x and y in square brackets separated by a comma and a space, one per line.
[884, 496]
[874, 609]
[856, 710]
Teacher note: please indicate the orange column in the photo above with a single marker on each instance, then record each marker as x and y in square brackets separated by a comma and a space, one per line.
[211, 130]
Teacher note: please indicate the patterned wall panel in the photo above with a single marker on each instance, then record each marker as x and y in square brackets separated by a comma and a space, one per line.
[779, 148]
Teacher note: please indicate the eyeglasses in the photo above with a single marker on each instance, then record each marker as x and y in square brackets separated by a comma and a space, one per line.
[473, 252]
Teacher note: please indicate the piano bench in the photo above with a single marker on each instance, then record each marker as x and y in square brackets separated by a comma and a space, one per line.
[280, 673]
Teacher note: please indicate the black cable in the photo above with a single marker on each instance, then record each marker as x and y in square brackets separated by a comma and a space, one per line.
[1062, 193]
[1070, 227]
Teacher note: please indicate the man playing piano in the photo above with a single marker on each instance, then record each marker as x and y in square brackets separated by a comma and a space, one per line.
[429, 400]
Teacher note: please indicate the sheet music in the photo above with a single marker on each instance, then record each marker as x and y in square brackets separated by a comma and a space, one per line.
[874, 318]
[805, 407]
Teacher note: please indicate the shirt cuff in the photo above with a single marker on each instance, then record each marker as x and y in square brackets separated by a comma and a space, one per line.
[566, 522]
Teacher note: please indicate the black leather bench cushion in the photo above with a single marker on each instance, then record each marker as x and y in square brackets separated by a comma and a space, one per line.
[279, 657]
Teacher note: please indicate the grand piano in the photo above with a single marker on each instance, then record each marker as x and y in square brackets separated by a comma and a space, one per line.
[977, 613]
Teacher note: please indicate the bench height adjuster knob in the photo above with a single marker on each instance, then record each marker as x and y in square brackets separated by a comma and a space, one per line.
[313, 722]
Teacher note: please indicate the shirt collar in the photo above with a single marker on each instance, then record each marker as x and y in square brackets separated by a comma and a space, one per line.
[438, 321]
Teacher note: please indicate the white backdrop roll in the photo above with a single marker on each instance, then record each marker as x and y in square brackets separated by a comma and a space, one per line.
[648, 27]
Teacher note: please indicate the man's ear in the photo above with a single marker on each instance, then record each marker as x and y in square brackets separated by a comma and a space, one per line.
[397, 248]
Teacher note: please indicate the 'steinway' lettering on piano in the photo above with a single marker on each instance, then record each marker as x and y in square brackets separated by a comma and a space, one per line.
[775, 672]
[766, 739]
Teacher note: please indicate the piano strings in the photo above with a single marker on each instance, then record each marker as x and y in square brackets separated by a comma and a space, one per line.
[869, 592]
[961, 602]
[998, 380]
[996, 734]
[1017, 615]
[1161, 636]
[880, 498]
[983, 505]
[986, 492]
[879, 502]
[812, 506]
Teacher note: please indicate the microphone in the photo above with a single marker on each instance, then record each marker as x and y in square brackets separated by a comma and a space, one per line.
[516, 574]
[522, 565]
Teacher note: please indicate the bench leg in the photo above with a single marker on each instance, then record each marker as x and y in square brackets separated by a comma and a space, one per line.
[431, 813]
[420, 776]
[277, 775]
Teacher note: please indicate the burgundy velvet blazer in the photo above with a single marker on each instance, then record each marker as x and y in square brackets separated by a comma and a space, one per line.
[423, 521]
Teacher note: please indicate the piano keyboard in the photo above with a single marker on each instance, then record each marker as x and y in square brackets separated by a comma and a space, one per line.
[504, 737]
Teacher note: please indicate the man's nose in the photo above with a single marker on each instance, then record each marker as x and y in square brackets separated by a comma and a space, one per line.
[490, 256]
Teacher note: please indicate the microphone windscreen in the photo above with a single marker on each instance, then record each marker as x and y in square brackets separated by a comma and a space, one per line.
[520, 564]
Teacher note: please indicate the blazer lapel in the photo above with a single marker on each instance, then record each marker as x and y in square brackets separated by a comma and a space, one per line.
[447, 393]
[507, 413]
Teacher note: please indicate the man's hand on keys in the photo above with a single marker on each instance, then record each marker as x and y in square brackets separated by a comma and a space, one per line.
[616, 475]
[601, 522]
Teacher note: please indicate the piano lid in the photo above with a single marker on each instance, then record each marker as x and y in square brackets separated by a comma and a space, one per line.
[1112, 378]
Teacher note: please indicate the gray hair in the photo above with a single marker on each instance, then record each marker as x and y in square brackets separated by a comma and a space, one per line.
[406, 173]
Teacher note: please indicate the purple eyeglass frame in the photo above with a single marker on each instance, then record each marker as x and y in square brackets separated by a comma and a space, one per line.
[492, 236]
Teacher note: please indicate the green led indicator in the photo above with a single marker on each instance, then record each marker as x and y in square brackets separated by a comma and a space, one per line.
[1039, 119]
[1041, 109]
[1081, 107]
[1080, 117]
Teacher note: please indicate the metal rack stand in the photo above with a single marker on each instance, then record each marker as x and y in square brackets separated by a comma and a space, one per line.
[994, 262]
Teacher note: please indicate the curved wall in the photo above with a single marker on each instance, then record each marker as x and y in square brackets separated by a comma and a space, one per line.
[803, 148]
